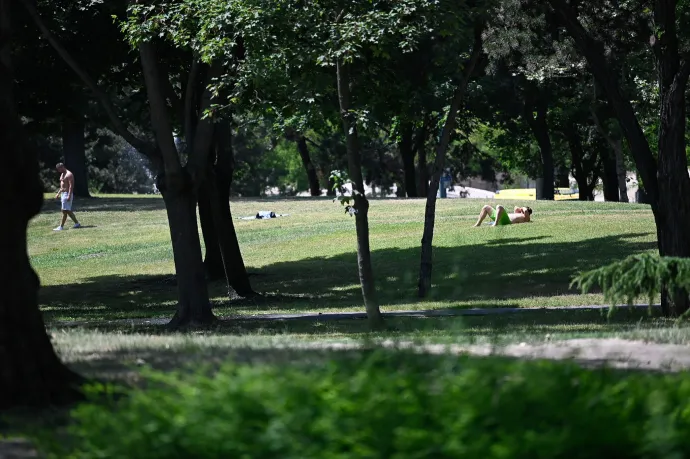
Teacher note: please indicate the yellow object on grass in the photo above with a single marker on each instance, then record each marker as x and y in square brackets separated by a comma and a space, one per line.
[530, 194]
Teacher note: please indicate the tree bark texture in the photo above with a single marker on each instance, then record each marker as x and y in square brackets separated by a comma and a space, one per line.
[74, 152]
[673, 181]
[213, 260]
[361, 203]
[666, 180]
[31, 374]
[426, 262]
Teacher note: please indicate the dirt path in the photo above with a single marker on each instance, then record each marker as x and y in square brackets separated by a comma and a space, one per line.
[354, 315]
[589, 352]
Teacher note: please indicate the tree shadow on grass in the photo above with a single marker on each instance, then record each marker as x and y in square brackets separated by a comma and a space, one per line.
[501, 269]
[159, 353]
[505, 269]
[150, 203]
[106, 204]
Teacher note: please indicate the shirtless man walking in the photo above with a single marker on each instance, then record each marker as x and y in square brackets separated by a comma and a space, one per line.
[499, 216]
[66, 194]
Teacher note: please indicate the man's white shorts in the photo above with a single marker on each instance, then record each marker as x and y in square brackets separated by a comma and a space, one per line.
[66, 201]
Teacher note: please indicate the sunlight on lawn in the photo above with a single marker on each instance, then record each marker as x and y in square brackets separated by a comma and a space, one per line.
[120, 265]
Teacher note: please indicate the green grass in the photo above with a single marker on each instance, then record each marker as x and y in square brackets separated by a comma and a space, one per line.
[120, 266]
[102, 349]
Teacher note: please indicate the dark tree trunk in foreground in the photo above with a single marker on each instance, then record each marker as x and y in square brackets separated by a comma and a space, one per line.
[540, 130]
[303, 148]
[609, 175]
[74, 152]
[426, 263]
[407, 154]
[361, 203]
[30, 372]
[673, 182]
[666, 181]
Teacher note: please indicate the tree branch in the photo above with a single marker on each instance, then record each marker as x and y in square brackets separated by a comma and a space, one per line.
[169, 91]
[159, 113]
[119, 127]
[312, 142]
[203, 138]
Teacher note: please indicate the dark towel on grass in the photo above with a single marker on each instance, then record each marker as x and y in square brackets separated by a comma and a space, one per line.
[263, 215]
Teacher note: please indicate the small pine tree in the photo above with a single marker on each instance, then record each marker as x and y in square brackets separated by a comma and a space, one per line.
[643, 275]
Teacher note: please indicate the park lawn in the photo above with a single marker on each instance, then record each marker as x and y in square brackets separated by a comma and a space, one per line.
[120, 265]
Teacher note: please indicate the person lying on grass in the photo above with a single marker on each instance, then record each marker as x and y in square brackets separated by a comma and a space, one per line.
[499, 216]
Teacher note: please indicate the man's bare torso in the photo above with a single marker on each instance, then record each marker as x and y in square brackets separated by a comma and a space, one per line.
[66, 179]
[519, 217]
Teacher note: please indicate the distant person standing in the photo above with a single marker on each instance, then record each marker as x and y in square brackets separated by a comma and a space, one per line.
[66, 194]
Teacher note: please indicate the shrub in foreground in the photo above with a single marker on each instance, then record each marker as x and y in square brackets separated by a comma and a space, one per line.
[394, 405]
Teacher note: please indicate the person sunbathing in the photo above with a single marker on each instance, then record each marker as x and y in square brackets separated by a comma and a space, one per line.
[499, 216]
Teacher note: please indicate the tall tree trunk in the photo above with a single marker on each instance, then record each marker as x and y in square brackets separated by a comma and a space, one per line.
[303, 148]
[423, 172]
[673, 204]
[420, 152]
[74, 152]
[213, 260]
[31, 373]
[540, 130]
[361, 203]
[193, 306]
[584, 169]
[235, 269]
[616, 145]
[666, 182]
[223, 256]
[426, 263]
[407, 154]
[562, 180]
[609, 175]
[621, 172]
[179, 195]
